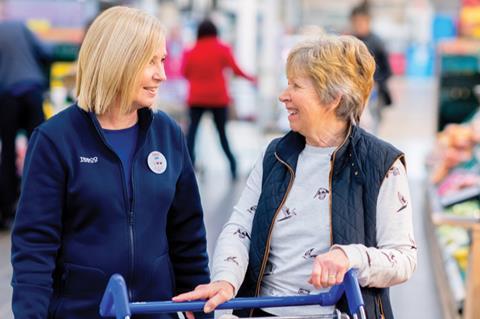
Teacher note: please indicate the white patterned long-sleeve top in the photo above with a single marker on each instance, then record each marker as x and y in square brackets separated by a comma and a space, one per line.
[302, 231]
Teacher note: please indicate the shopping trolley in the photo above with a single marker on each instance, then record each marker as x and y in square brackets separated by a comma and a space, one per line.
[115, 301]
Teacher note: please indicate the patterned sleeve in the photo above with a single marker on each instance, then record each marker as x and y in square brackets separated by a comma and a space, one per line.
[395, 258]
[230, 259]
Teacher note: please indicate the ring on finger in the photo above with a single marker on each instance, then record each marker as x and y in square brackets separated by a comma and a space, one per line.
[332, 276]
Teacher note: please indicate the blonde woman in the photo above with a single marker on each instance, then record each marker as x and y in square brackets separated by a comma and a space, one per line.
[324, 198]
[108, 185]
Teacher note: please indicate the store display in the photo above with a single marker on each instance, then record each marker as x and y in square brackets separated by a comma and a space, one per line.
[454, 180]
[455, 240]
[459, 189]
[61, 73]
[454, 201]
[470, 20]
[459, 72]
[456, 99]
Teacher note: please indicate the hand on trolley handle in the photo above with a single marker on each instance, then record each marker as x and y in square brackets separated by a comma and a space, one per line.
[216, 293]
[115, 301]
[328, 270]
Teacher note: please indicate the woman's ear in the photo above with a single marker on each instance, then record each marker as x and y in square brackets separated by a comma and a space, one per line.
[335, 102]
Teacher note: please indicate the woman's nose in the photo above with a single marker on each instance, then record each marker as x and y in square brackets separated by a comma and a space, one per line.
[159, 74]
[283, 97]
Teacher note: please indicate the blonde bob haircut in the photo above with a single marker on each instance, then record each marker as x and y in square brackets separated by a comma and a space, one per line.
[339, 66]
[118, 45]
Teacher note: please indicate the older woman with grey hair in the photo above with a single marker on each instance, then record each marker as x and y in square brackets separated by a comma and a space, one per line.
[324, 198]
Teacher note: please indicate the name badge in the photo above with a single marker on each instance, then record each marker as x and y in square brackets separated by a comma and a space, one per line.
[157, 162]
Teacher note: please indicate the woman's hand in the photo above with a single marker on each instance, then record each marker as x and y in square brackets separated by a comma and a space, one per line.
[329, 269]
[216, 292]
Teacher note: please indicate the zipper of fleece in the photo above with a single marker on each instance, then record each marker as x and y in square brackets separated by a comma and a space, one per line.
[128, 205]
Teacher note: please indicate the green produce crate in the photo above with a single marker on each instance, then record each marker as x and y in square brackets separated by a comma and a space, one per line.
[65, 52]
[457, 101]
[459, 64]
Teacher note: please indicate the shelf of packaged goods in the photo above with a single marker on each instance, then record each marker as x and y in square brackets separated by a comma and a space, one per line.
[472, 305]
[442, 265]
[449, 305]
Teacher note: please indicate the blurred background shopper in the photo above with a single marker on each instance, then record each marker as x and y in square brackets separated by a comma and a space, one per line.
[204, 66]
[361, 27]
[108, 185]
[22, 84]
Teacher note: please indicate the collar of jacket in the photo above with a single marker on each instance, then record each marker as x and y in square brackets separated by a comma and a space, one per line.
[293, 143]
[145, 118]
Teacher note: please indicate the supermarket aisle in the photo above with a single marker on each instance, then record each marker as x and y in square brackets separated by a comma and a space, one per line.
[410, 126]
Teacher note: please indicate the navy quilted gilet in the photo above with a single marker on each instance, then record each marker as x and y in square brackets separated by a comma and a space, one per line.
[359, 166]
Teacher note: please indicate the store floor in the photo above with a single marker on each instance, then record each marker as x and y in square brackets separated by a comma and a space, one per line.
[409, 125]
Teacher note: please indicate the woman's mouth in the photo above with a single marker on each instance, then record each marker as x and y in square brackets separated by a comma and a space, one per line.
[151, 89]
[292, 113]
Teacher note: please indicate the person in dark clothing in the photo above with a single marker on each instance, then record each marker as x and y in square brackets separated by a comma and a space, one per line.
[22, 86]
[360, 20]
[108, 185]
[203, 66]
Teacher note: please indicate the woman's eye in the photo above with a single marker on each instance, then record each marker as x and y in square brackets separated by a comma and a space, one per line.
[152, 62]
[293, 84]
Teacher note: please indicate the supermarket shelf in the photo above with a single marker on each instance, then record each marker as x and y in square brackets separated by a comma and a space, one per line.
[472, 307]
[455, 298]
[64, 35]
[439, 217]
[460, 221]
[450, 307]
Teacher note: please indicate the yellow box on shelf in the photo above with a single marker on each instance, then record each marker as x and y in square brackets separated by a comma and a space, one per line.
[48, 109]
[470, 21]
[39, 25]
[59, 71]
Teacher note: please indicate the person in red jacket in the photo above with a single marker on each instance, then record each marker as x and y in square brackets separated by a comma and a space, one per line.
[203, 67]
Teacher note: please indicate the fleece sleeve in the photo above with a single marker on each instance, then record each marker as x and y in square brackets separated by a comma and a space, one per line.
[186, 230]
[36, 234]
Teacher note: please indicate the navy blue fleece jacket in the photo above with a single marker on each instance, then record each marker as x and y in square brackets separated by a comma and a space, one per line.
[75, 226]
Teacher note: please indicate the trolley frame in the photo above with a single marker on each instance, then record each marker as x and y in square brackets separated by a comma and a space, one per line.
[115, 301]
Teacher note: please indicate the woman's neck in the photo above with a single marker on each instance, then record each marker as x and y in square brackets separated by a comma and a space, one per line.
[331, 134]
[114, 120]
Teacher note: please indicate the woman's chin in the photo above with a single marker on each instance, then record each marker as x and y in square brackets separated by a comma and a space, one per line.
[294, 127]
[145, 102]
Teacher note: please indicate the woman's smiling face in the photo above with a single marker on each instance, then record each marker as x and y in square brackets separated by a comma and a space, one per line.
[305, 111]
[153, 74]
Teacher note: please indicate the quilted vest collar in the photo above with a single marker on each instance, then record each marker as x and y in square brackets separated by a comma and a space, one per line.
[293, 143]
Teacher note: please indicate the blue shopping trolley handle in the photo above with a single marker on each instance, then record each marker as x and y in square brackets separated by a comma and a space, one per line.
[115, 301]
